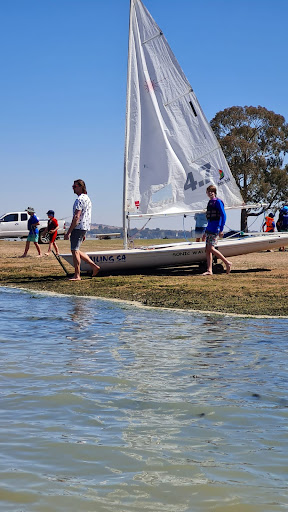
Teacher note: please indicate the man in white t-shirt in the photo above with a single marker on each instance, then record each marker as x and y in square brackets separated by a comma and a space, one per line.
[79, 226]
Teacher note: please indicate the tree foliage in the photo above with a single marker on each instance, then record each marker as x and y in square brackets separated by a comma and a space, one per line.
[254, 141]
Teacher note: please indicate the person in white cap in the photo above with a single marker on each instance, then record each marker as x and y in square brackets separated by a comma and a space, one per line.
[33, 235]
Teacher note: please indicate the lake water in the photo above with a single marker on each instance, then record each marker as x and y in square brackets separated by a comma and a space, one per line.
[108, 407]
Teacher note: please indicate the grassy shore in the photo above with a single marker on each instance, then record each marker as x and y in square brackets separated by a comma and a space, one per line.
[257, 284]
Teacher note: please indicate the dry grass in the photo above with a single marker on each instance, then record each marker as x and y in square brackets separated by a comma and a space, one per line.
[257, 284]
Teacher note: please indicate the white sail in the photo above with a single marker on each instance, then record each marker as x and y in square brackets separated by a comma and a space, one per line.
[172, 154]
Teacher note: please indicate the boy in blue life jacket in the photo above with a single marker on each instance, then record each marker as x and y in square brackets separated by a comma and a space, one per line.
[216, 217]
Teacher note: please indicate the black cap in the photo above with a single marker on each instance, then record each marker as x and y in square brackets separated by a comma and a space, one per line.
[50, 212]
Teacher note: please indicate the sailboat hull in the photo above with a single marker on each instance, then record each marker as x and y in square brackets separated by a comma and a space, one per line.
[175, 255]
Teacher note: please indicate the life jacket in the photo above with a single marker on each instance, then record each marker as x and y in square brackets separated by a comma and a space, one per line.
[212, 212]
[269, 224]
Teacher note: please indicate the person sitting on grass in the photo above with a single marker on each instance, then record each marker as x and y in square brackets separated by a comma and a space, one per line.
[33, 235]
[216, 217]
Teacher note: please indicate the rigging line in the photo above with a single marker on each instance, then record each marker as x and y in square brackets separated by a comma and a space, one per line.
[139, 230]
[256, 218]
[234, 234]
[178, 97]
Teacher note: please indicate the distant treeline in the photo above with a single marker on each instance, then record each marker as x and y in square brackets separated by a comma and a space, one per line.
[143, 233]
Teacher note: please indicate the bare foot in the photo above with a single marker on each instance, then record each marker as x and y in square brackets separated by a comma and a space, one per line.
[74, 279]
[207, 274]
[95, 271]
[23, 256]
[39, 256]
[228, 267]
[47, 253]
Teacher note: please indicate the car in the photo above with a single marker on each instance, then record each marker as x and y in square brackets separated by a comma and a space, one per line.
[14, 225]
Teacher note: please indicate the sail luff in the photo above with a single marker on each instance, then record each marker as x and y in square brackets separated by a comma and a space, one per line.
[127, 131]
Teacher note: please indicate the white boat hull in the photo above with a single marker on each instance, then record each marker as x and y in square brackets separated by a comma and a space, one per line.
[174, 255]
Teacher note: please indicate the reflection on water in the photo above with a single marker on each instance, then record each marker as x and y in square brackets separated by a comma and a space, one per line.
[105, 405]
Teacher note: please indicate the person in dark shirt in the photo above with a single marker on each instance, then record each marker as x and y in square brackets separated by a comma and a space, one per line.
[282, 222]
[216, 217]
[33, 235]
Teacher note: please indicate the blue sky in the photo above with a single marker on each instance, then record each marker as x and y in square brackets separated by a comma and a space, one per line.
[63, 87]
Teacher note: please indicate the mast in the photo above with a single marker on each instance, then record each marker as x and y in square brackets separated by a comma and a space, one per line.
[127, 130]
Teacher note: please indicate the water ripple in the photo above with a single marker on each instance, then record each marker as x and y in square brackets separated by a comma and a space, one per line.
[106, 405]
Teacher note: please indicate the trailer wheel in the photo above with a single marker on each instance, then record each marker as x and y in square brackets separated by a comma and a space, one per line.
[43, 238]
[218, 268]
[202, 266]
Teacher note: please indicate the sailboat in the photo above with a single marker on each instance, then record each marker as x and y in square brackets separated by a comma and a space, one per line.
[171, 156]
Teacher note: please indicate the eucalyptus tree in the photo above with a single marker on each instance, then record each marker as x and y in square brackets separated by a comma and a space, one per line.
[254, 141]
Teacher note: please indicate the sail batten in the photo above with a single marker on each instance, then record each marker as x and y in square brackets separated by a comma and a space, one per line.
[153, 37]
[178, 97]
[172, 152]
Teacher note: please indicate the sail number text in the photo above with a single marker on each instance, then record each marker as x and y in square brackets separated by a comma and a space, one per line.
[192, 183]
[110, 259]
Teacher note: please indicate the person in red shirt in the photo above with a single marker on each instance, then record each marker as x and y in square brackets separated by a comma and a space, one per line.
[52, 228]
